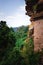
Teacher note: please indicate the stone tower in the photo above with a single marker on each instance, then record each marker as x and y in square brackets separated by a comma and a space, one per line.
[34, 9]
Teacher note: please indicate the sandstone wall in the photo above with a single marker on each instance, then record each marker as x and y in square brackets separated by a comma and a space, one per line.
[38, 35]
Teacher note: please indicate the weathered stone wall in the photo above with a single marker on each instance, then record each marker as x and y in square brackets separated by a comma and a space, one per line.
[38, 35]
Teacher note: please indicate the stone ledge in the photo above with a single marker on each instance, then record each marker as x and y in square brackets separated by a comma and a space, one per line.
[37, 16]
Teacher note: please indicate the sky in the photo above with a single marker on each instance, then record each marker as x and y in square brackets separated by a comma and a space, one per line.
[13, 12]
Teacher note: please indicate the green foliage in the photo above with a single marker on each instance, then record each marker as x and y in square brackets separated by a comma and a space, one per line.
[12, 57]
[14, 50]
[21, 32]
[9, 51]
[6, 35]
[4, 30]
[7, 38]
[20, 43]
[21, 35]
[27, 51]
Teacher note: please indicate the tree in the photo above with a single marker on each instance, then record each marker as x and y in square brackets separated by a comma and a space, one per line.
[4, 31]
[7, 38]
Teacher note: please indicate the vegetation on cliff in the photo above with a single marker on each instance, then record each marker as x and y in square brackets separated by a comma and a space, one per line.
[34, 7]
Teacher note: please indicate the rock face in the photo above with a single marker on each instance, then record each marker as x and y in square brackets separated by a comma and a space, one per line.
[34, 9]
[38, 35]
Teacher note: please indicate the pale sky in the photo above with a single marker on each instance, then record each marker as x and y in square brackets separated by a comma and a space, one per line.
[13, 12]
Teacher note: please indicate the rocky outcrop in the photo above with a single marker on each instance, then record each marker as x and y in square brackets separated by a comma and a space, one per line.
[38, 35]
[34, 9]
